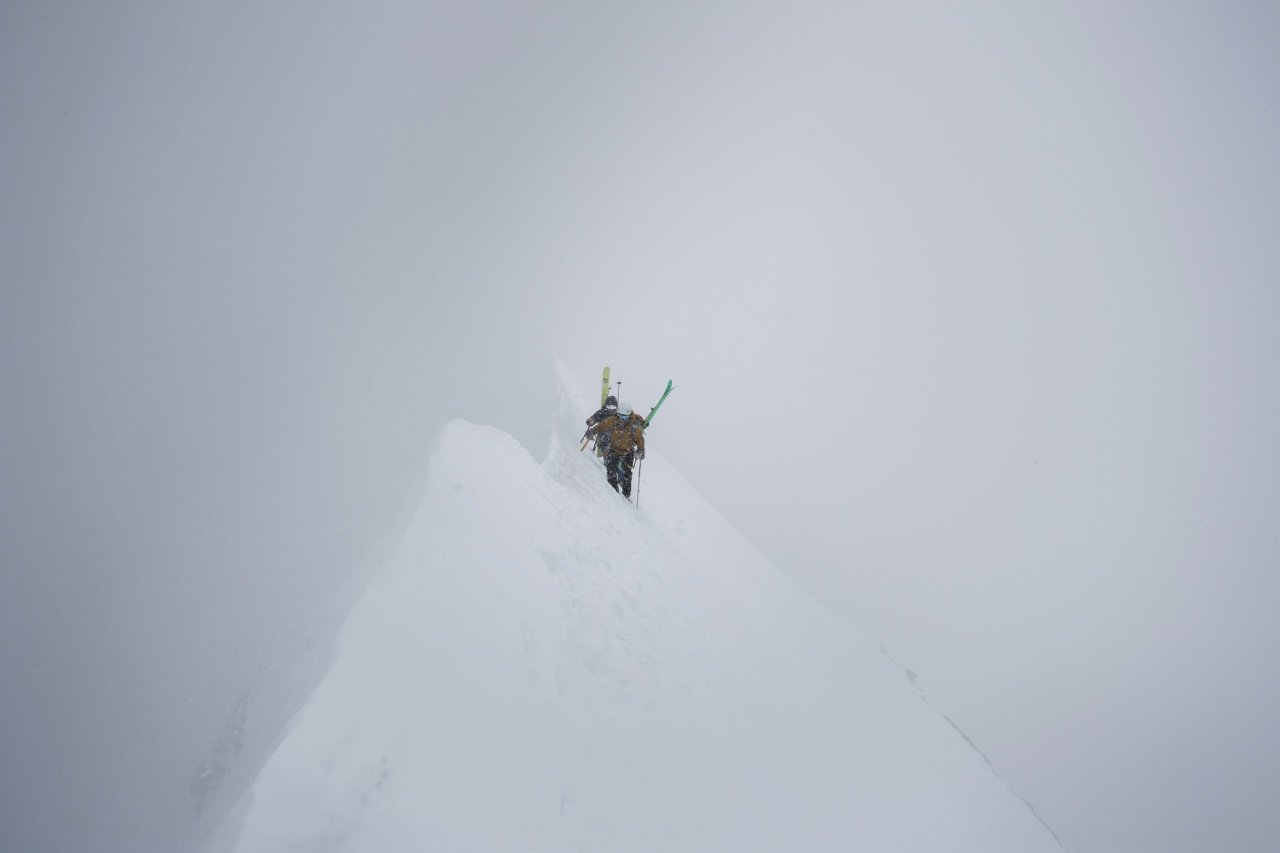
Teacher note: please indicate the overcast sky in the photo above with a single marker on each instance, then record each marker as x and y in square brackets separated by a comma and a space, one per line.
[971, 307]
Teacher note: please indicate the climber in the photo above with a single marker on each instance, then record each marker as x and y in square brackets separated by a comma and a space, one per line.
[622, 436]
[609, 408]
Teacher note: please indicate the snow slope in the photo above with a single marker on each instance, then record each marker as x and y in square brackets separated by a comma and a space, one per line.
[542, 666]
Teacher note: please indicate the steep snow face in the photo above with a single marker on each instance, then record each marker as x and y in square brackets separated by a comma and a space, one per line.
[543, 666]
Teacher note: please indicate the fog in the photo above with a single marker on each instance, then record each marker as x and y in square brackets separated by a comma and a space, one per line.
[971, 311]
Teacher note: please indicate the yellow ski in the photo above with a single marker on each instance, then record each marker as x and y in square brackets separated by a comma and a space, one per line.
[604, 387]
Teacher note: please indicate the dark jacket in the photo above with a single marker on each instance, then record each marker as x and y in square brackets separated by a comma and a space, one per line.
[600, 414]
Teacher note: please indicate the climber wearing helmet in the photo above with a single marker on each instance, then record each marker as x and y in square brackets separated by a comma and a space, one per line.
[622, 436]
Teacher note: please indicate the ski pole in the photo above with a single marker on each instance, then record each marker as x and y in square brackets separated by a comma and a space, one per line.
[584, 445]
[638, 483]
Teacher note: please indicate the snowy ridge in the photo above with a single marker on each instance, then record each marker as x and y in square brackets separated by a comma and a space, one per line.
[542, 666]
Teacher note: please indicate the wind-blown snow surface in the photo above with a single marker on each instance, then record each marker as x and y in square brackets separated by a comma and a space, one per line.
[544, 667]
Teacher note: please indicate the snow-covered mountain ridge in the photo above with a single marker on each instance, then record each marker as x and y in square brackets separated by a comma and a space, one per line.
[543, 666]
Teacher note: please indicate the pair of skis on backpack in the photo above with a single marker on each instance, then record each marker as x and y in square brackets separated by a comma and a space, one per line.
[604, 395]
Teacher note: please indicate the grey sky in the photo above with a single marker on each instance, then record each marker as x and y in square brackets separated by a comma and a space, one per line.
[971, 309]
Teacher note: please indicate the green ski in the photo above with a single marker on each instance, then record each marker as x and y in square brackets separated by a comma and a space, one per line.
[654, 410]
[604, 387]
